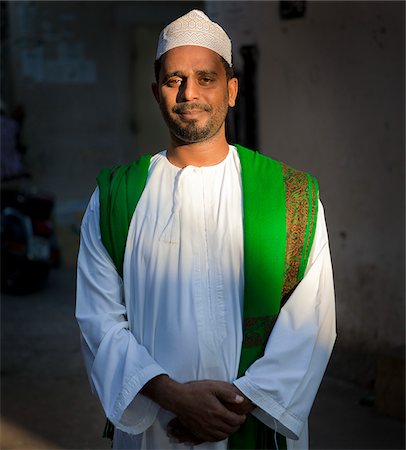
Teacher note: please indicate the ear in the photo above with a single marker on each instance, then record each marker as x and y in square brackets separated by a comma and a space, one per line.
[155, 91]
[232, 91]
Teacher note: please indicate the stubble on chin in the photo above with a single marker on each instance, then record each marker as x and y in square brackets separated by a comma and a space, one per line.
[189, 131]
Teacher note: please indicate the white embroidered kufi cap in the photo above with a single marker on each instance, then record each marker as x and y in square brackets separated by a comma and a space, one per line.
[195, 28]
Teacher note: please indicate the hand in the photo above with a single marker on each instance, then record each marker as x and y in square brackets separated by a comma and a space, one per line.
[182, 435]
[199, 405]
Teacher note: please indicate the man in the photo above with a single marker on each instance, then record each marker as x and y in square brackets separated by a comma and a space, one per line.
[213, 242]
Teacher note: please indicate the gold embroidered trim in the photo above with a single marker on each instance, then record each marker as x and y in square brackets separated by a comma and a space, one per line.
[257, 330]
[297, 212]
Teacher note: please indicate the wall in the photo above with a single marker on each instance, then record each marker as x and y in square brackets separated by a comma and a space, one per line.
[331, 101]
[75, 102]
[72, 67]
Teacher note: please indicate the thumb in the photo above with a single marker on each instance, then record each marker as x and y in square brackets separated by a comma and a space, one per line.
[230, 394]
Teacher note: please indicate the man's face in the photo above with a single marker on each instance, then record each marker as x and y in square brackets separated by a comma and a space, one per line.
[193, 93]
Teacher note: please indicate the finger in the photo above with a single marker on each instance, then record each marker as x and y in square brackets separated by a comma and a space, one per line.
[181, 433]
[219, 428]
[238, 409]
[233, 419]
[229, 393]
[242, 409]
[227, 428]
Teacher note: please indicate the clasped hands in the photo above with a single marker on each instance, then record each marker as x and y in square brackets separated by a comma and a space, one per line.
[206, 411]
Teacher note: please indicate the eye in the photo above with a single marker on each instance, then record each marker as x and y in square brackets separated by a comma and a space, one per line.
[174, 82]
[205, 81]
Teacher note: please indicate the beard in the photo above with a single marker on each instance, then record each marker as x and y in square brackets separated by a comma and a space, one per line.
[188, 131]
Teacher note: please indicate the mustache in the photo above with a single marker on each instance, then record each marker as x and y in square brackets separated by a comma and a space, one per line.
[183, 107]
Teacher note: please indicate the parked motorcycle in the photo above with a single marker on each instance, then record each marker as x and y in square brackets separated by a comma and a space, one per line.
[29, 247]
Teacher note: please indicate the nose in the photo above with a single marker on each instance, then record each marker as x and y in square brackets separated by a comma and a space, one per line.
[188, 90]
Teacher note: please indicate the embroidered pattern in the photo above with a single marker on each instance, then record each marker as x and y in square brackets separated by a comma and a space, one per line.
[195, 28]
[297, 216]
[313, 217]
[257, 330]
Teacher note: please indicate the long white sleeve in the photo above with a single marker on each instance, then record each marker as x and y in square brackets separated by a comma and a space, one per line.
[117, 365]
[284, 382]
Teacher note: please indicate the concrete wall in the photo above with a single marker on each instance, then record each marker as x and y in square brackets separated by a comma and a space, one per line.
[331, 101]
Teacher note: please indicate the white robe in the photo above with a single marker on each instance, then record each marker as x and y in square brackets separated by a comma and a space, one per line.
[179, 309]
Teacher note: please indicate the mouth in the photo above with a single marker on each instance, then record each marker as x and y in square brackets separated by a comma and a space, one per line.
[190, 111]
[191, 114]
